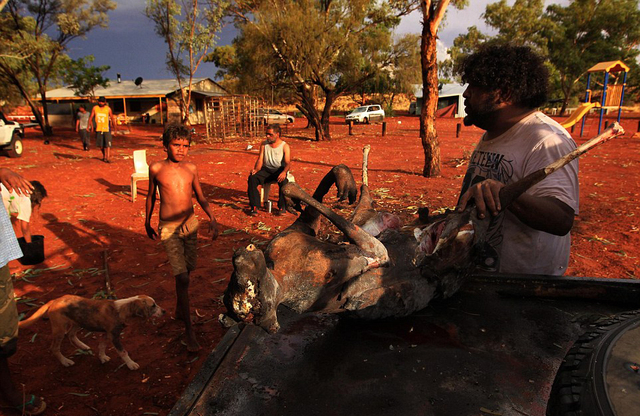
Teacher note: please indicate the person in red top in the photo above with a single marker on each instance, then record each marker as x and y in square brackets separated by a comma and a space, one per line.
[104, 123]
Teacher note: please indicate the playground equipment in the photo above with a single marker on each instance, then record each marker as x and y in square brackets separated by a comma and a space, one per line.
[580, 112]
[612, 95]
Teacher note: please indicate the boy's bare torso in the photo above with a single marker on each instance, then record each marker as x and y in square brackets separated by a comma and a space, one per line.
[175, 182]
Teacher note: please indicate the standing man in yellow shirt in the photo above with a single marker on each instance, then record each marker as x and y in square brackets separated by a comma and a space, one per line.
[102, 115]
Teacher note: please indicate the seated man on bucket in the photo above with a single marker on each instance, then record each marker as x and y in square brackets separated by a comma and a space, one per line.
[273, 164]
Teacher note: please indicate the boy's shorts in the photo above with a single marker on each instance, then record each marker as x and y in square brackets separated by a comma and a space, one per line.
[179, 240]
[103, 139]
[8, 315]
[84, 135]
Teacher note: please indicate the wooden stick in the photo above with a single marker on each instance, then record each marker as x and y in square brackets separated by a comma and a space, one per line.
[511, 192]
[365, 165]
[614, 130]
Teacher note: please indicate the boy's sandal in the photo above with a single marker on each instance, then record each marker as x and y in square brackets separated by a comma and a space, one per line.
[30, 408]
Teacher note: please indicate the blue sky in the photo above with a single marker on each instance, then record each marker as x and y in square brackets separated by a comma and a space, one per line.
[131, 47]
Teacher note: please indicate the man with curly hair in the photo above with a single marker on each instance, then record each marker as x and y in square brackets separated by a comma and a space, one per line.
[506, 85]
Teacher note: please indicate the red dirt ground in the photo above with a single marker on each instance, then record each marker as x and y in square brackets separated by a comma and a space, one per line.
[89, 210]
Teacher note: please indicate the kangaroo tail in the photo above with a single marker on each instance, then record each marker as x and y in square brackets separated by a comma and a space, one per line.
[36, 316]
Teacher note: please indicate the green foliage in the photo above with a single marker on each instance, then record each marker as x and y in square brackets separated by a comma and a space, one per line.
[573, 37]
[307, 47]
[84, 78]
[400, 75]
[189, 29]
[39, 31]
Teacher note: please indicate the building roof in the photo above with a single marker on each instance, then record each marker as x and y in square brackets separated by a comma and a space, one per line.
[128, 89]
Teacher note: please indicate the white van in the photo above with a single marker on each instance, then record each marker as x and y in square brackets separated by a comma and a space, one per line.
[365, 114]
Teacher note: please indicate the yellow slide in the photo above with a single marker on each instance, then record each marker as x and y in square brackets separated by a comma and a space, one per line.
[578, 114]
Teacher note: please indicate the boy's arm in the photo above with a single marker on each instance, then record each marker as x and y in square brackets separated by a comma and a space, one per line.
[204, 204]
[151, 202]
[25, 227]
[77, 124]
[258, 164]
[287, 163]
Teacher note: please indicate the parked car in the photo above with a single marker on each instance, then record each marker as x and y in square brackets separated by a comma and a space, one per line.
[366, 114]
[271, 116]
[11, 135]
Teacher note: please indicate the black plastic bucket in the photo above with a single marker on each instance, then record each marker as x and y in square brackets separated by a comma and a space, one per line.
[33, 252]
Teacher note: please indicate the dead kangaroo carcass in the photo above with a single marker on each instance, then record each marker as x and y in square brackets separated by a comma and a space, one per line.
[381, 270]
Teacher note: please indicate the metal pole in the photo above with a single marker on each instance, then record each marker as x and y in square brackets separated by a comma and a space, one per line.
[624, 85]
[587, 99]
[604, 97]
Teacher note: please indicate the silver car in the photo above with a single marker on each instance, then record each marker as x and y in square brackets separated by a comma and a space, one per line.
[365, 114]
[271, 116]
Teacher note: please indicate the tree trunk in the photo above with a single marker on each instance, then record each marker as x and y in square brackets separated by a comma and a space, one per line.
[44, 125]
[312, 114]
[324, 132]
[565, 103]
[13, 79]
[428, 133]
[305, 113]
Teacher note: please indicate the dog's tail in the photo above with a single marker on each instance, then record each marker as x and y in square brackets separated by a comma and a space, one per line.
[37, 315]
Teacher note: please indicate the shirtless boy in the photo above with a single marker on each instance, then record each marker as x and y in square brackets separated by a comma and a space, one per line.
[177, 181]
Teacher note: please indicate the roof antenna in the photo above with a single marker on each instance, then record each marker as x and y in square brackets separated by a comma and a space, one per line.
[138, 82]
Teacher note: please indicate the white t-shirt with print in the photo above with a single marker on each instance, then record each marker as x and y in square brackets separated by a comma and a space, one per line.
[532, 144]
[16, 205]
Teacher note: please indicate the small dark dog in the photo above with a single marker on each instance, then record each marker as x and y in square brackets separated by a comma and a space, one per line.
[69, 314]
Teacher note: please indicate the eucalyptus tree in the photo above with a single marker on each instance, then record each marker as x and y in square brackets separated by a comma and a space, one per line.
[189, 29]
[328, 47]
[83, 77]
[433, 13]
[42, 30]
[573, 37]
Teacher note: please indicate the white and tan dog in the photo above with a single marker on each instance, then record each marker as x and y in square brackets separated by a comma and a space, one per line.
[69, 314]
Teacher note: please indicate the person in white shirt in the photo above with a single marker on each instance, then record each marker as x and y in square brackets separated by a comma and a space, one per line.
[20, 207]
[506, 85]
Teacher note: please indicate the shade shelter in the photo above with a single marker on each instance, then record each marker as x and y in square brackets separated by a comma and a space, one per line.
[612, 95]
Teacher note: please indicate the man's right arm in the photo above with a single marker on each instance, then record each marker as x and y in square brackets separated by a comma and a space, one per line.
[259, 162]
[546, 214]
[151, 201]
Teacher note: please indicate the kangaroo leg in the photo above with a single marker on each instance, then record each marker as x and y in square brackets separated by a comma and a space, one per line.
[355, 234]
[309, 221]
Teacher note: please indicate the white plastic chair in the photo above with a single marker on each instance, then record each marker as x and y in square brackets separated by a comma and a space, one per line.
[264, 192]
[141, 171]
